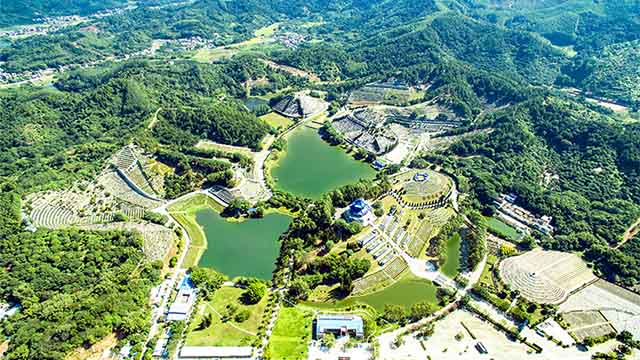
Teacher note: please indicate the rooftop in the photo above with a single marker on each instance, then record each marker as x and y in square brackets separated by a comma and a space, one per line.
[359, 208]
[198, 352]
[332, 322]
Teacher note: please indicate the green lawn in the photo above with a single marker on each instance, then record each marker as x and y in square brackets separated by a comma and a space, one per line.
[208, 55]
[503, 229]
[487, 277]
[230, 333]
[276, 120]
[291, 335]
[451, 265]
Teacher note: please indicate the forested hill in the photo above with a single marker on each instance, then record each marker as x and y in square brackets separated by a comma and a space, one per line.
[52, 137]
[599, 37]
[565, 161]
[570, 43]
[497, 68]
[75, 287]
[24, 12]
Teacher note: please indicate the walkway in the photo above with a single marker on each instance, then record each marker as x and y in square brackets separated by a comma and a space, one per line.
[279, 292]
[386, 340]
[418, 267]
[177, 273]
[632, 231]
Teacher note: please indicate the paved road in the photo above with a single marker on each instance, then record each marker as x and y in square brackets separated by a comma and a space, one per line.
[418, 267]
[175, 276]
[386, 340]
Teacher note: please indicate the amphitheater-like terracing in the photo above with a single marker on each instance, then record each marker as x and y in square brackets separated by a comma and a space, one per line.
[125, 186]
[545, 277]
[122, 187]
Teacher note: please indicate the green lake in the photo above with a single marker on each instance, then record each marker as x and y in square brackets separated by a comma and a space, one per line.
[450, 267]
[405, 292]
[247, 248]
[311, 167]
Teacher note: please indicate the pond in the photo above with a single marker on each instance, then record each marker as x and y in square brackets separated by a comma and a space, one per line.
[247, 248]
[405, 292]
[450, 267]
[252, 103]
[312, 167]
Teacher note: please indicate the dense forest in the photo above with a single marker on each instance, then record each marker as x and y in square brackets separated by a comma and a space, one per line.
[53, 136]
[594, 197]
[74, 287]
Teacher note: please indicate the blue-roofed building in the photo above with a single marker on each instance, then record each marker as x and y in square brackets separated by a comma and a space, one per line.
[378, 165]
[361, 212]
[183, 304]
[339, 325]
[186, 283]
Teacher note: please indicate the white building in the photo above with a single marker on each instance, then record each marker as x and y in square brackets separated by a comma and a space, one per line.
[215, 352]
[7, 310]
[159, 350]
[182, 306]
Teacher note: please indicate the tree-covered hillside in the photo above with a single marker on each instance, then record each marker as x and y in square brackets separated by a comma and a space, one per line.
[24, 12]
[51, 137]
[494, 65]
[565, 161]
[75, 287]
[600, 35]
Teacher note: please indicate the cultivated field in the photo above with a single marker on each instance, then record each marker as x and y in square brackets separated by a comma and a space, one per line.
[262, 39]
[545, 277]
[389, 273]
[372, 94]
[583, 324]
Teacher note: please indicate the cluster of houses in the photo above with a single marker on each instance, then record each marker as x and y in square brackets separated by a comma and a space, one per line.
[291, 40]
[49, 24]
[520, 218]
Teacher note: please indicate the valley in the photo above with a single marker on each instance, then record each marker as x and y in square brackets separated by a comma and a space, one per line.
[334, 179]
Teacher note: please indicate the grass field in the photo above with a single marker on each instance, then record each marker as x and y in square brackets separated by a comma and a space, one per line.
[210, 145]
[208, 55]
[276, 120]
[262, 37]
[487, 276]
[502, 229]
[291, 334]
[229, 333]
[450, 267]
[185, 213]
